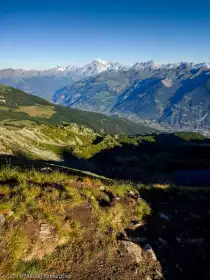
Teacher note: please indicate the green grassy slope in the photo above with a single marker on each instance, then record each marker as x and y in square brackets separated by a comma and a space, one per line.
[54, 222]
[14, 105]
[63, 209]
[16, 97]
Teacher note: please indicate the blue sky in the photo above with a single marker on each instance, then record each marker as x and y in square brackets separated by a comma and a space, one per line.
[45, 33]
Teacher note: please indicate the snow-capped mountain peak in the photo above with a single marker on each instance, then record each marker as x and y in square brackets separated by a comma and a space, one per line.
[97, 66]
[65, 68]
[102, 61]
[150, 65]
[144, 65]
[59, 68]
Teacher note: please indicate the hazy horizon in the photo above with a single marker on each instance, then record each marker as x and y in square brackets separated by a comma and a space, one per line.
[81, 65]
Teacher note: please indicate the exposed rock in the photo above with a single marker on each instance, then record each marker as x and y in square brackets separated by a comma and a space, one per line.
[44, 240]
[2, 220]
[164, 242]
[179, 268]
[178, 239]
[195, 216]
[137, 224]
[46, 169]
[197, 241]
[149, 249]
[132, 249]
[204, 198]
[123, 236]
[101, 188]
[138, 239]
[131, 193]
[46, 232]
[79, 141]
[10, 213]
[159, 274]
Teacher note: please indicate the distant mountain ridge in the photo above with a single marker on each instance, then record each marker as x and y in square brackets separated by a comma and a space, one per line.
[98, 65]
[45, 82]
[173, 95]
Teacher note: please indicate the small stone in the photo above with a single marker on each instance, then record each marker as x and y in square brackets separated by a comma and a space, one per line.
[162, 241]
[2, 220]
[178, 240]
[101, 188]
[149, 249]
[179, 268]
[163, 216]
[138, 239]
[137, 224]
[10, 213]
[46, 169]
[204, 198]
[195, 216]
[159, 274]
[123, 236]
[131, 193]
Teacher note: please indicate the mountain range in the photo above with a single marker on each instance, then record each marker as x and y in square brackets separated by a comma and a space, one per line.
[174, 95]
[83, 199]
[45, 82]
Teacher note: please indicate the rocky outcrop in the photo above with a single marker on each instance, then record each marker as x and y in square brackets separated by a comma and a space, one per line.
[133, 249]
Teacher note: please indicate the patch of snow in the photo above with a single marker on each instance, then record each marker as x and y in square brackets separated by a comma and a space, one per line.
[203, 118]
[167, 82]
[142, 95]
